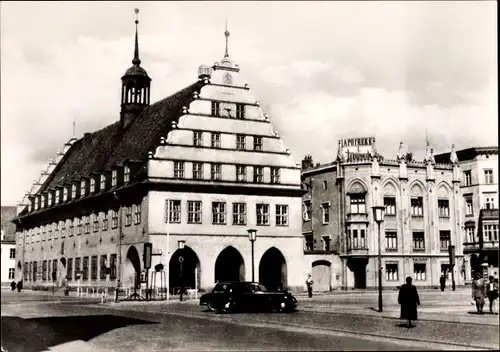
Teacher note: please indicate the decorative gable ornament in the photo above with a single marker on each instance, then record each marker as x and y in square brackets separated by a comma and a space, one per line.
[150, 155]
[174, 124]
[184, 110]
[162, 141]
[196, 95]
[357, 188]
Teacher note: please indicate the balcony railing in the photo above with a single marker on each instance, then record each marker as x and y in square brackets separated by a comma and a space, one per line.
[358, 251]
[487, 214]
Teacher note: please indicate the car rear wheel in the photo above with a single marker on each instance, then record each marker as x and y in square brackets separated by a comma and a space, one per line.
[211, 306]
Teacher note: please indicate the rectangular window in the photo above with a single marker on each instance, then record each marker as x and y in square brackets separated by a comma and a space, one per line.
[85, 268]
[194, 212]
[281, 215]
[262, 214]
[275, 175]
[178, 169]
[257, 143]
[417, 206]
[92, 185]
[467, 178]
[126, 174]
[112, 260]
[49, 196]
[390, 205]
[240, 141]
[490, 233]
[114, 219]
[44, 270]
[391, 272]
[391, 241]
[11, 273]
[258, 174]
[95, 219]
[128, 216]
[103, 183]
[240, 111]
[215, 171]
[326, 243]
[308, 242]
[444, 240]
[215, 140]
[69, 272]
[93, 268]
[488, 176]
[489, 203]
[77, 268]
[325, 212]
[198, 139]
[54, 269]
[83, 186]
[78, 226]
[137, 214]
[418, 241]
[174, 211]
[114, 178]
[241, 173]
[469, 209]
[105, 221]
[59, 195]
[12, 253]
[102, 266]
[218, 213]
[324, 185]
[470, 235]
[65, 194]
[35, 271]
[362, 238]
[419, 271]
[73, 192]
[306, 210]
[444, 208]
[239, 214]
[198, 171]
[87, 224]
[358, 205]
[215, 108]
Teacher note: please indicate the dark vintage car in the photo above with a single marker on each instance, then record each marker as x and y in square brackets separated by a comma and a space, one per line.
[247, 296]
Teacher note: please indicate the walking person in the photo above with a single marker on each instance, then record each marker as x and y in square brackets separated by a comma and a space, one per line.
[442, 282]
[478, 292]
[408, 299]
[19, 285]
[309, 283]
[13, 285]
[492, 293]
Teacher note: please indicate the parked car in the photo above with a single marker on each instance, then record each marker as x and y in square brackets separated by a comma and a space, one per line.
[247, 296]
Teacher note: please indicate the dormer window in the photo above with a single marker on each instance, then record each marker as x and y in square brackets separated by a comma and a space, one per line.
[92, 185]
[73, 191]
[126, 174]
[82, 188]
[43, 201]
[103, 182]
[37, 203]
[65, 194]
[59, 195]
[49, 195]
[114, 178]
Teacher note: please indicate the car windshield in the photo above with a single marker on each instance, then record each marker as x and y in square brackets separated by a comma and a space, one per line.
[220, 288]
[262, 288]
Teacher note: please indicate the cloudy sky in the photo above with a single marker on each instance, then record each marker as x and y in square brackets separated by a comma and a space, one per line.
[322, 71]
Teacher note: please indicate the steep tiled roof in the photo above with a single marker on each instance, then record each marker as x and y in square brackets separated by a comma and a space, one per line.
[113, 145]
[9, 229]
[466, 154]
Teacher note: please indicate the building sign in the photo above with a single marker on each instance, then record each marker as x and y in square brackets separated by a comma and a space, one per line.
[358, 145]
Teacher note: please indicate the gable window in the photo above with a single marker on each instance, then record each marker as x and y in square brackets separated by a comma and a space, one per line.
[488, 176]
[105, 221]
[198, 138]
[137, 214]
[194, 212]
[92, 185]
[114, 219]
[215, 140]
[262, 214]
[467, 178]
[358, 205]
[391, 272]
[240, 141]
[325, 212]
[258, 174]
[469, 209]
[178, 169]
[218, 213]
[241, 173]
[95, 219]
[128, 216]
[215, 171]
[391, 240]
[114, 178]
[215, 108]
[173, 211]
[82, 188]
[281, 215]
[257, 143]
[417, 207]
[126, 174]
[444, 240]
[390, 205]
[275, 175]
[443, 208]
[240, 111]
[103, 182]
[73, 191]
[419, 271]
[239, 214]
[198, 171]
[306, 210]
[418, 241]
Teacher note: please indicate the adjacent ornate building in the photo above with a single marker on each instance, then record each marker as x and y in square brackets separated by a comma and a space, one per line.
[422, 219]
[191, 174]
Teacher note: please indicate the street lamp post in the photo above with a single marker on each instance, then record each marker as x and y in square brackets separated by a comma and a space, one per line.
[378, 216]
[180, 245]
[252, 236]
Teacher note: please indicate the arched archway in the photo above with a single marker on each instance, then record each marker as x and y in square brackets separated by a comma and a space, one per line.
[190, 262]
[322, 275]
[272, 270]
[229, 265]
[132, 268]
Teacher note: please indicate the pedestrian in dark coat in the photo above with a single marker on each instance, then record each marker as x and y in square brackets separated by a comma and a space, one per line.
[408, 299]
[442, 282]
[13, 285]
[478, 292]
[19, 285]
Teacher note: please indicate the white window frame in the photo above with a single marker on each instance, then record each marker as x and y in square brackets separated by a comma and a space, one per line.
[444, 208]
[281, 215]
[103, 182]
[128, 216]
[197, 171]
[219, 213]
[198, 138]
[275, 175]
[391, 240]
[92, 185]
[390, 205]
[258, 174]
[325, 213]
[469, 206]
[391, 271]
[178, 169]
[467, 178]
[114, 178]
[358, 203]
[174, 211]
[126, 174]
[262, 211]
[194, 211]
[306, 210]
[215, 138]
[215, 171]
[82, 188]
[137, 214]
[241, 142]
[257, 143]
[239, 214]
[420, 275]
[241, 173]
[488, 176]
[417, 209]
[114, 219]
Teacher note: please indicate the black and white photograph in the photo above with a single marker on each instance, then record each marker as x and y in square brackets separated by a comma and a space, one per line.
[249, 176]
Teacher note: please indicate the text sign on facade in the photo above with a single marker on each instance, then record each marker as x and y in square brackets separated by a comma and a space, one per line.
[358, 142]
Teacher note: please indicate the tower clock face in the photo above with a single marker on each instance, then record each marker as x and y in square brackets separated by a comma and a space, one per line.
[227, 79]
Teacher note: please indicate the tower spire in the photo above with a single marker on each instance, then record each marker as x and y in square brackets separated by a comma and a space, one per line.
[226, 33]
[136, 61]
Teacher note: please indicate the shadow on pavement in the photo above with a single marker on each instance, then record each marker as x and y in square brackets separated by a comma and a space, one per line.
[405, 325]
[38, 334]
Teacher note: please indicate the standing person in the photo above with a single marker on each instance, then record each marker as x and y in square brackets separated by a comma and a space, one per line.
[408, 299]
[442, 282]
[64, 284]
[478, 289]
[13, 285]
[309, 283]
[19, 285]
[492, 292]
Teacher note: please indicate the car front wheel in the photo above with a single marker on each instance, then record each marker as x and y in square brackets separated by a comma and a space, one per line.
[211, 306]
